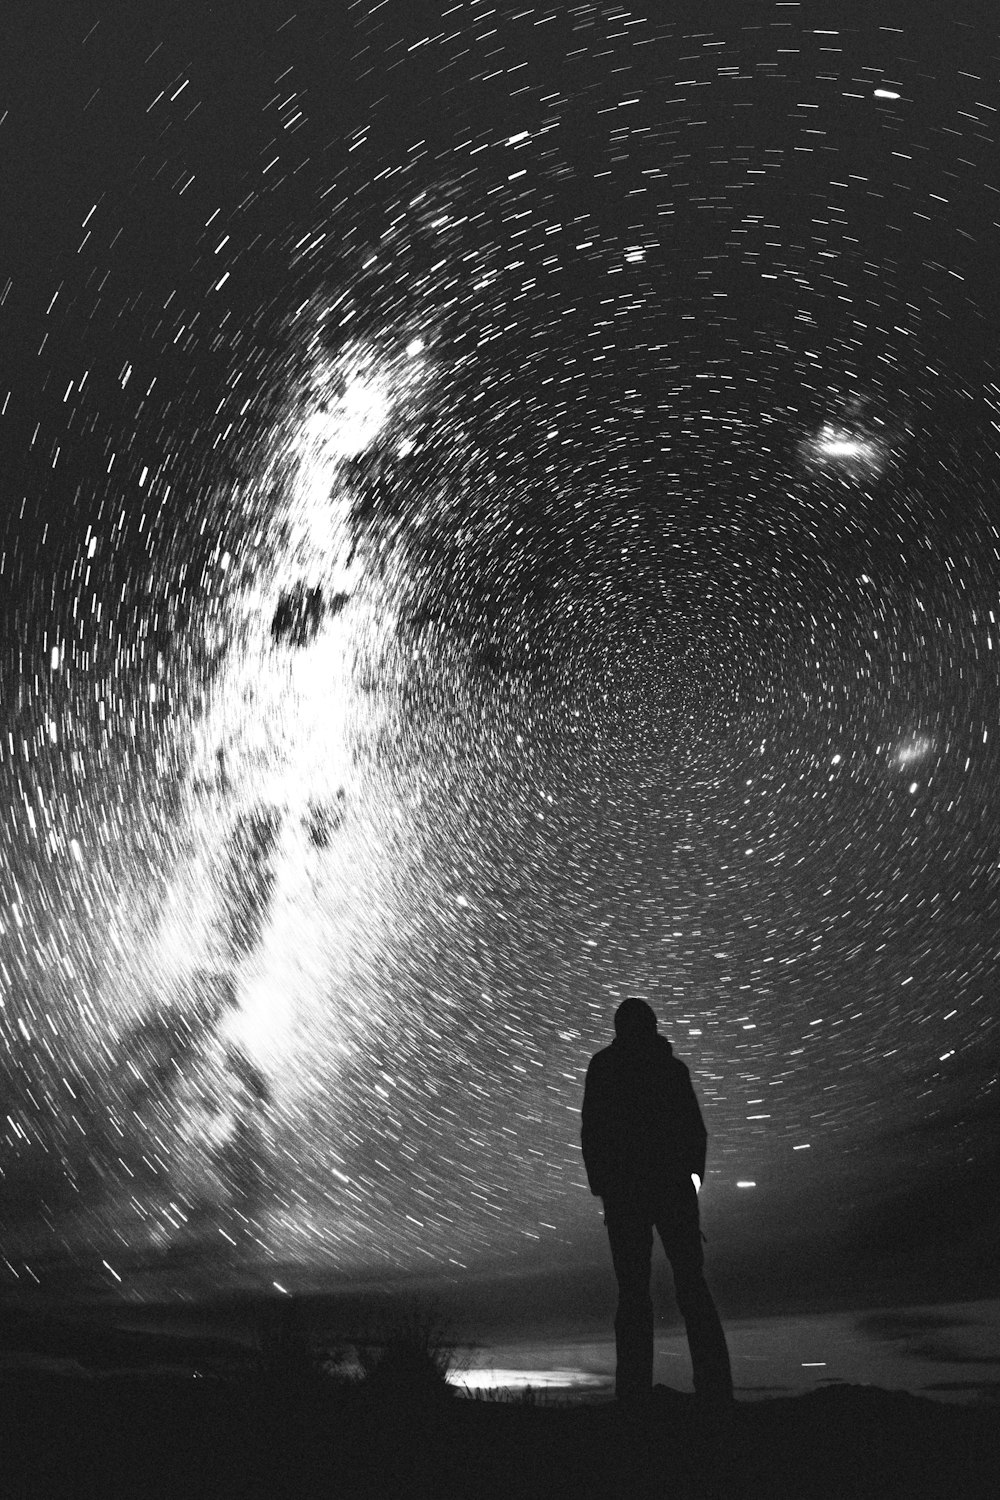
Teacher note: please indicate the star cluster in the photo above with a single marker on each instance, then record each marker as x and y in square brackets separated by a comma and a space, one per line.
[501, 514]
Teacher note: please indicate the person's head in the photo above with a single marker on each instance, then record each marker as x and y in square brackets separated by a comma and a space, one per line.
[635, 1021]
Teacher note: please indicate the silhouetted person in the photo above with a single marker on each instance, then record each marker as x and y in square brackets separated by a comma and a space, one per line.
[643, 1137]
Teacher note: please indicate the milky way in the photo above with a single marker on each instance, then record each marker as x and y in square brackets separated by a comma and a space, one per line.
[500, 513]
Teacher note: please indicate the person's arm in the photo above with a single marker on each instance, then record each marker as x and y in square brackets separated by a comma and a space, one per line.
[593, 1133]
[695, 1134]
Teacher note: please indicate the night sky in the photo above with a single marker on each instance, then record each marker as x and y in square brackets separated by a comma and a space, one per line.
[501, 511]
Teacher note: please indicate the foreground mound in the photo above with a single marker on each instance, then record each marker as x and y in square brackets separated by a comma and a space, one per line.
[161, 1434]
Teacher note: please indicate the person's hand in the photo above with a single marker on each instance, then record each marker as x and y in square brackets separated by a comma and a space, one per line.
[697, 1182]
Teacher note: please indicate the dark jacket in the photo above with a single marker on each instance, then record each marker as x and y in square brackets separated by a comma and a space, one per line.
[642, 1128]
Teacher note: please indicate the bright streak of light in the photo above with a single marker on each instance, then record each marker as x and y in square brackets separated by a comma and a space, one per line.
[520, 1380]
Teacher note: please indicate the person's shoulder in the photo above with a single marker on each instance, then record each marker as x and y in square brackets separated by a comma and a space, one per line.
[602, 1060]
[668, 1059]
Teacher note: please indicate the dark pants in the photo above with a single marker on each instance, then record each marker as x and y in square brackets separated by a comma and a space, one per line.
[674, 1214]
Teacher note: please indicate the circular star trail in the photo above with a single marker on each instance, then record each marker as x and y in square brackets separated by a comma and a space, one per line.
[501, 513]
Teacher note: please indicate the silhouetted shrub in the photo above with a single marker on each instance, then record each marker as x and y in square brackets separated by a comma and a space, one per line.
[285, 1350]
[408, 1358]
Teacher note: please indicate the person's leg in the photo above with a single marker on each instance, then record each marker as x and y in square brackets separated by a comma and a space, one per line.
[630, 1234]
[678, 1226]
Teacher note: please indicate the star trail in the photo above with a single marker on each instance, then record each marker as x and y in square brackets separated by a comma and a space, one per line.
[500, 513]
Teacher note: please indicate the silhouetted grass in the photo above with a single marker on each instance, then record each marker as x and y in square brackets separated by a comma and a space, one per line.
[409, 1355]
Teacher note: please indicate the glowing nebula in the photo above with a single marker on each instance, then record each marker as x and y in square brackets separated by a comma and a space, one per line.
[849, 452]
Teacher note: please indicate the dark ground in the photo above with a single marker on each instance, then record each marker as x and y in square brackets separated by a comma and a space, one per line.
[166, 1434]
